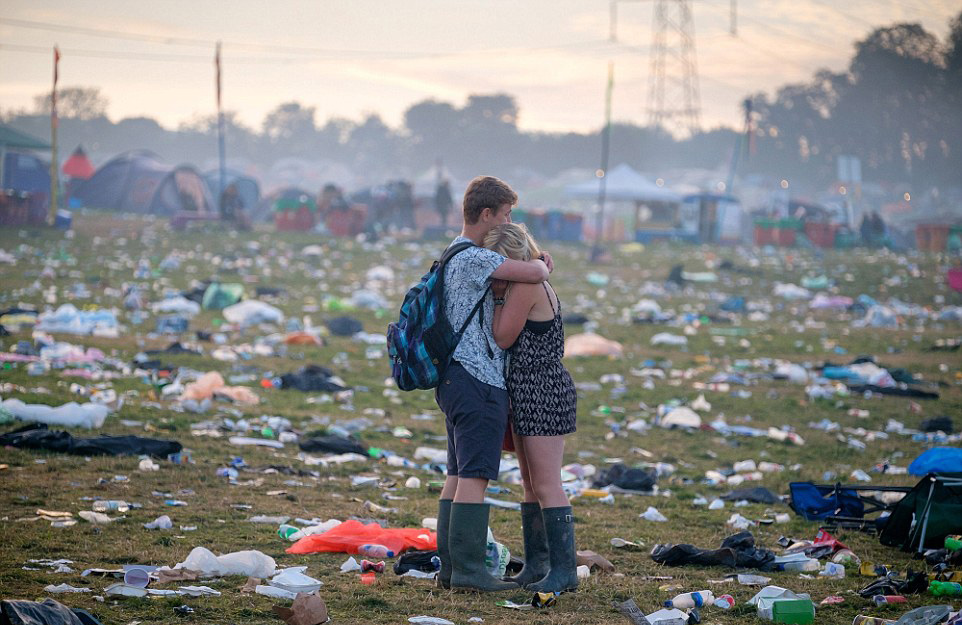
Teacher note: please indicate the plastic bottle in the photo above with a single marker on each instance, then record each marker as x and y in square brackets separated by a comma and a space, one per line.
[111, 505]
[691, 600]
[945, 589]
[286, 531]
[811, 564]
[832, 570]
[885, 599]
[846, 557]
[375, 551]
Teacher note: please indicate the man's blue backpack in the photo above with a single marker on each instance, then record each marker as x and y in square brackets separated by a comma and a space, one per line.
[421, 343]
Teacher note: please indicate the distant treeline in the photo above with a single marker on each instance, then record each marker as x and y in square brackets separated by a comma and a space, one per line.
[898, 107]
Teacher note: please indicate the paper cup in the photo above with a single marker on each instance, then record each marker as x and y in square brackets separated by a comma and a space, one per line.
[137, 577]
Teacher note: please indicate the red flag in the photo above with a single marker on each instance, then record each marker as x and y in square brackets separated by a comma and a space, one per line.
[217, 66]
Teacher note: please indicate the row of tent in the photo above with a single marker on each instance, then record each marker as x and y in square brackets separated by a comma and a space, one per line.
[140, 182]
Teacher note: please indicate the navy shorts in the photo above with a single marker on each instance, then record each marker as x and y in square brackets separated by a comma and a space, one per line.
[475, 416]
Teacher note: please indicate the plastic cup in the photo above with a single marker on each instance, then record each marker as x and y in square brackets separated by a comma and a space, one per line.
[136, 577]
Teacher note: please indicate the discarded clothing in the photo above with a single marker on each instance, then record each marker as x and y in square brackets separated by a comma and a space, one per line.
[344, 326]
[913, 584]
[898, 391]
[754, 495]
[37, 436]
[312, 378]
[938, 424]
[624, 477]
[423, 560]
[49, 612]
[738, 550]
[174, 348]
[332, 445]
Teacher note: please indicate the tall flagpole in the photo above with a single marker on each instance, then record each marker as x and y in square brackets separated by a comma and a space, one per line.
[220, 134]
[54, 161]
[596, 252]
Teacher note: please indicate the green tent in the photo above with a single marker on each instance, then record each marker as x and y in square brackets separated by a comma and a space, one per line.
[926, 515]
[219, 296]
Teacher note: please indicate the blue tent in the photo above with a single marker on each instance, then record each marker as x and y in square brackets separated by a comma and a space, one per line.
[937, 460]
[20, 169]
[127, 182]
[140, 182]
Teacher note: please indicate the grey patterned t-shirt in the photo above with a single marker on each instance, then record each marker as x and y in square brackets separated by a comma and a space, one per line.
[466, 278]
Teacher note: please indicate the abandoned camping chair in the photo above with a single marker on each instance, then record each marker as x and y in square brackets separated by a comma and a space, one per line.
[842, 506]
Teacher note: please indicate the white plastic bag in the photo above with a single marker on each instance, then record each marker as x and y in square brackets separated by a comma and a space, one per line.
[249, 563]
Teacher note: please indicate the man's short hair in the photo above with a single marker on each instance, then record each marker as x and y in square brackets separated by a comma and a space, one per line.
[486, 192]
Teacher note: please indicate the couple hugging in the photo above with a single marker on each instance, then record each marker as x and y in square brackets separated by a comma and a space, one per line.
[519, 321]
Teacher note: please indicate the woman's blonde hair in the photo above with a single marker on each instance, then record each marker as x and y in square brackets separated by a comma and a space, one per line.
[512, 241]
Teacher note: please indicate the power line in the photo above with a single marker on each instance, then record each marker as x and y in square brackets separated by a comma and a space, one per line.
[146, 56]
[338, 54]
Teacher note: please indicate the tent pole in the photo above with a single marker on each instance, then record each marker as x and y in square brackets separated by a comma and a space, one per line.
[925, 515]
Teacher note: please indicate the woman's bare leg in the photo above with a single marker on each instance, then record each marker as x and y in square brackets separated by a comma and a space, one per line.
[519, 450]
[543, 456]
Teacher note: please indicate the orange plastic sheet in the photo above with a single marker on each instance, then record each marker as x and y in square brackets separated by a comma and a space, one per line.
[350, 535]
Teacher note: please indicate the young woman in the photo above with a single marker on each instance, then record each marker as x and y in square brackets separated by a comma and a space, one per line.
[527, 319]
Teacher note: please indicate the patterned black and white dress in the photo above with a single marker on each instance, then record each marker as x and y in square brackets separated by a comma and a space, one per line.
[543, 397]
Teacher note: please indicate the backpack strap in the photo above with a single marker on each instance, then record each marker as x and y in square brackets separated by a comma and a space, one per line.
[442, 262]
[448, 254]
[474, 311]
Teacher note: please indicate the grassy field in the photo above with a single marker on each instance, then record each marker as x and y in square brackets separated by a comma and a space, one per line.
[104, 254]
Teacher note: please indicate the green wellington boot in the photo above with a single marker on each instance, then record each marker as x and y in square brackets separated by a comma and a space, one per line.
[444, 552]
[563, 576]
[467, 539]
[535, 545]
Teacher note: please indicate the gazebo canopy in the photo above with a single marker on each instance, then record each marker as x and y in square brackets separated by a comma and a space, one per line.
[13, 139]
[623, 184]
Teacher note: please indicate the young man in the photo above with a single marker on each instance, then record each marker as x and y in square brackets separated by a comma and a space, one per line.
[472, 394]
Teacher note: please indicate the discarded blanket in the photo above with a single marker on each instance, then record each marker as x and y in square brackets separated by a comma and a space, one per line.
[590, 344]
[38, 436]
[625, 477]
[212, 383]
[49, 612]
[344, 326]
[738, 550]
[312, 378]
[332, 445]
[350, 535]
[758, 494]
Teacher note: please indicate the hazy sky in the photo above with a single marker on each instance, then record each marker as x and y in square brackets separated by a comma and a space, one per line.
[348, 58]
